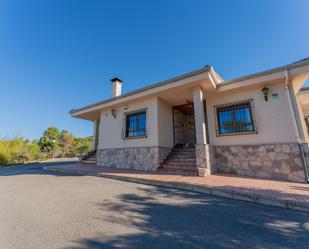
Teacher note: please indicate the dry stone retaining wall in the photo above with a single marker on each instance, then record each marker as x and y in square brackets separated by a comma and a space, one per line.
[137, 158]
[275, 161]
[205, 159]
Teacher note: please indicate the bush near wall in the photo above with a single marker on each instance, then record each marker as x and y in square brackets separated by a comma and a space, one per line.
[18, 150]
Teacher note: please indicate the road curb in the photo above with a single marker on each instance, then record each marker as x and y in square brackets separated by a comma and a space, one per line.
[231, 194]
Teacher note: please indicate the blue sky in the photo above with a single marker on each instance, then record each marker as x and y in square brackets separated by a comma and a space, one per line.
[58, 55]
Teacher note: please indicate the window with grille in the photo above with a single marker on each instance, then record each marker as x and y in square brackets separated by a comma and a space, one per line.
[235, 118]
[135, 125]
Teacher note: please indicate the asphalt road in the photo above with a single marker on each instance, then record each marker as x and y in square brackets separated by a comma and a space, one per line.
[40, 209]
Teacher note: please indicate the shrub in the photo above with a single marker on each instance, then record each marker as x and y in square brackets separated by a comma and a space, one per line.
[18, 150]
[4, 160]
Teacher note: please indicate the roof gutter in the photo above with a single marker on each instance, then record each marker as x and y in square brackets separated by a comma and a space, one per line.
[256, 78]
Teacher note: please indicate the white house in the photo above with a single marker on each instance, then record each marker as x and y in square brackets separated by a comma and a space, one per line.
[197, 123]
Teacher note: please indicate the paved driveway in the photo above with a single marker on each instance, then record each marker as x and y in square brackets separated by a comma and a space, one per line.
[40, 209]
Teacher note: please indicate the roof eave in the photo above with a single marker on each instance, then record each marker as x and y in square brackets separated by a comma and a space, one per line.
[215, 78]
[205, 69]
[260, 77]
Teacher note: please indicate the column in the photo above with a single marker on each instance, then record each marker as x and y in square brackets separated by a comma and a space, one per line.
[200, 126]
[95, 140]
[203, 151]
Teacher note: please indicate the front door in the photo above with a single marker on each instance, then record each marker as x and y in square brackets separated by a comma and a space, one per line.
[184, 126]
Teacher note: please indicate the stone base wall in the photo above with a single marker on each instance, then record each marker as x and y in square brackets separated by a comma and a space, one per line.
[205, 158]
[137, 158]
[163, 152]
[306, 154]
[275, 161]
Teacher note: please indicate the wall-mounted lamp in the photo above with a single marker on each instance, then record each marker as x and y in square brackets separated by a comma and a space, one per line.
[114, 112]
[265, 92]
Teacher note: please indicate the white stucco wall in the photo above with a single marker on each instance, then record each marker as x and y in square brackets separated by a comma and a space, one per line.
[111, 128]
[165, 124]
[273, 118]
[273, 121]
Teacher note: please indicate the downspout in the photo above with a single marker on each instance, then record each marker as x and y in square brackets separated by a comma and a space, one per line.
[296, 129]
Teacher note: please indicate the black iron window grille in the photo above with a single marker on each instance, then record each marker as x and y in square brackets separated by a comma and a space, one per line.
[135, 125]
[235, 118]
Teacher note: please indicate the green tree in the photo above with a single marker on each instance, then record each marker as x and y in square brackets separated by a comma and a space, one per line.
[82, 145]
[33, 151]
[66, 143]
[49, 142]
[19, 150]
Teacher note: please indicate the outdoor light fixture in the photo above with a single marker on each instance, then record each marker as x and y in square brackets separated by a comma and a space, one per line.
[265, 92]
[114, 112]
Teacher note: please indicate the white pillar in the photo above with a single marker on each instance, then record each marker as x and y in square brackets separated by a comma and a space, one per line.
[95, 138]
[200, 126]
[203, 151]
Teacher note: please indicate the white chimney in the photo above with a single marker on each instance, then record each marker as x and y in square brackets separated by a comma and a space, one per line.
[116, 87]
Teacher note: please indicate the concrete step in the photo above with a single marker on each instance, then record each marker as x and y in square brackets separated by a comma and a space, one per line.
[175, 173]
[182, 156]
[178, 171]
[89, 161]
[184, 149]
[184, 152]
[186, 165]
[167, 162]
[179, 163]
[181, 159]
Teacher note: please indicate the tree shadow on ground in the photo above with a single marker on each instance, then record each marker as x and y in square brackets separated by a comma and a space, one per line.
[168, 218]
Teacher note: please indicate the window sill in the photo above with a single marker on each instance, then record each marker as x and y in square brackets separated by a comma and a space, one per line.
[237, 133]
[137, 137]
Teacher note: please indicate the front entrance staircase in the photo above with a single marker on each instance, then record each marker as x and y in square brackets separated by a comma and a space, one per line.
[90, 158]
[181, 161]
